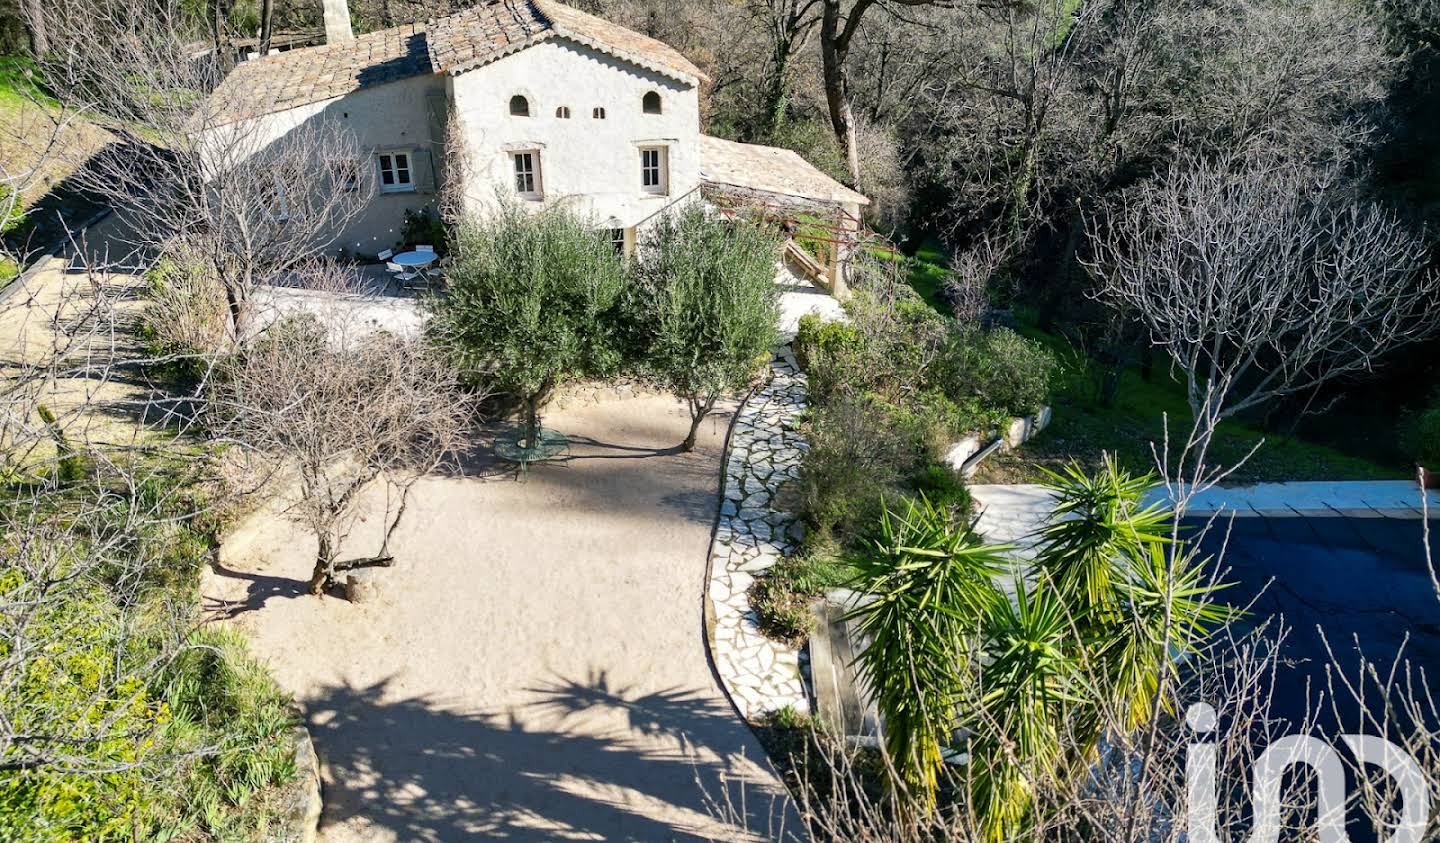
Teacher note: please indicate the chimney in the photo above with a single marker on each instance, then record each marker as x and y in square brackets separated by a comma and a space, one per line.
[337, 21]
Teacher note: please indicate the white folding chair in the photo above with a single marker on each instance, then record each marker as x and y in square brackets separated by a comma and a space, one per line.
[401, 274]
[430, 249]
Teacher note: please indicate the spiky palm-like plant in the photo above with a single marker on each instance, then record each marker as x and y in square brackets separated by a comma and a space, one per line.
[1169, 610]
[1031, 678]
[930, 584]
[1098, 522]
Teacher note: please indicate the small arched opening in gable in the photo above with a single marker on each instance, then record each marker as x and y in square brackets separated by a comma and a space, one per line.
[650, 103]
[519, 106]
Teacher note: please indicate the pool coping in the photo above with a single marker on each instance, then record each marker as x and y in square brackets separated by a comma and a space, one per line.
[1012, 513]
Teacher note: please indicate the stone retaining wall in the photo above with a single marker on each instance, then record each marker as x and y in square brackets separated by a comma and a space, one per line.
[764, 451]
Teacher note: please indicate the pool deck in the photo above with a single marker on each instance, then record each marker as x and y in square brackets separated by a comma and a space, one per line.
[1012, 514]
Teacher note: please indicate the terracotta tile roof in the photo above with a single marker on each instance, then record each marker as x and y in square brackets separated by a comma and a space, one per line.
[463, 41]
[481, 34]
[769, 169]
[281, 81]
[620, 42]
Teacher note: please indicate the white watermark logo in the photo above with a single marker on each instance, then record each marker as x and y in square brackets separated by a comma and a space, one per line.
[1269, 772]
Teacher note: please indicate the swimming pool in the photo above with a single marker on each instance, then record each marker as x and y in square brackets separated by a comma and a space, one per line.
[1360, 578]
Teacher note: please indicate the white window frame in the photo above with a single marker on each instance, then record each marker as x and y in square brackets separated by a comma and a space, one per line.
[394, 156]
[534, 173]
[655, 177]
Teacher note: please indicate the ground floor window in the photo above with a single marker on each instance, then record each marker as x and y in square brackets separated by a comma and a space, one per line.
[276, 203]
[620, 240]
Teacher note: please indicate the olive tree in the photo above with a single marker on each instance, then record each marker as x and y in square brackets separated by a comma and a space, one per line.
[528, 303]
[705, 299]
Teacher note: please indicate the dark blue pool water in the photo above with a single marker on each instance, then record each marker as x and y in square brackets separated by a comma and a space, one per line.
[1362, 578]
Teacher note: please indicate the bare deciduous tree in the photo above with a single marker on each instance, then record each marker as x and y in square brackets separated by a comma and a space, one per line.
[252, 196]
[343, 405]
[1259, 282]
[788, 25]
[838, 28]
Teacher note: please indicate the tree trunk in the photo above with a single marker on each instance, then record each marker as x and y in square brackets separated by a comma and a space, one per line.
[324, 556]
[777, 99]
[834, 46]
[699, 409]
[1063, 289]
[237, 298]
[532, 422]
[267, 21]
[533, 401]
[220, 31]
[35, 21]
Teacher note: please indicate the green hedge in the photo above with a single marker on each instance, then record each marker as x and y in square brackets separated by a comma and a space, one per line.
[1425, 439]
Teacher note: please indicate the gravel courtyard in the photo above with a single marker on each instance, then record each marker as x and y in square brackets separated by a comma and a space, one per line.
[536, 667]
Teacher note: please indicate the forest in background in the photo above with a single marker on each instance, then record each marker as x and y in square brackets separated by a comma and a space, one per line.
[987, 134]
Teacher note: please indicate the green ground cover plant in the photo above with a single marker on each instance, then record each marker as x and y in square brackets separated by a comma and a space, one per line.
[890, 392]
[171, 730]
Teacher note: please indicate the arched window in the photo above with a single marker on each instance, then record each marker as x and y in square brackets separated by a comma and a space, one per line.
[650, 103]
[563, 112]
[519, 106]
[598, 113]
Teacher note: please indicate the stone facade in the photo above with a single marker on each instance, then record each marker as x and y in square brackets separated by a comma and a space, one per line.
[759, 674]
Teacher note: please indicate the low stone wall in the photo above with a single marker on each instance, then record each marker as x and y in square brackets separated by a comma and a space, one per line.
[586, 393]
[303, 818]
[759, 675]
[1017, 432]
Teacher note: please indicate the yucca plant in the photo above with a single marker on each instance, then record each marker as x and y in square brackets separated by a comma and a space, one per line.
[929, 584]
[1031, 681]
[1169, 611]
[1098, 523]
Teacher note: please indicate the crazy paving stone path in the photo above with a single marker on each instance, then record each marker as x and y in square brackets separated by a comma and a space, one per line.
[760, 675]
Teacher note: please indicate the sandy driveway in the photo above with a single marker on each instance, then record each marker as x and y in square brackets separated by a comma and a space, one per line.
[536, 670]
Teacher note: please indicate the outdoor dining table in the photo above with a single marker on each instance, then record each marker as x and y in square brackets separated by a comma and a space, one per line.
[414, 260]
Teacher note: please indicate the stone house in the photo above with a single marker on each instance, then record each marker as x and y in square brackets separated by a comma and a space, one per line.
[529, 99]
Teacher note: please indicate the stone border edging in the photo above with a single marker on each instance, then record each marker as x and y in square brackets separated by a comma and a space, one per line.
[304, 815]
[751, 535]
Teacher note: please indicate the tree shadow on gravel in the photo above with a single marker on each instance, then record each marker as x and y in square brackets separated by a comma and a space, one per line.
[424, 770]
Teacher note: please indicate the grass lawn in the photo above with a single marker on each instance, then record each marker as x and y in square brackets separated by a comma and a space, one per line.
[928, 270]
[1083, 430]
[17, 87]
